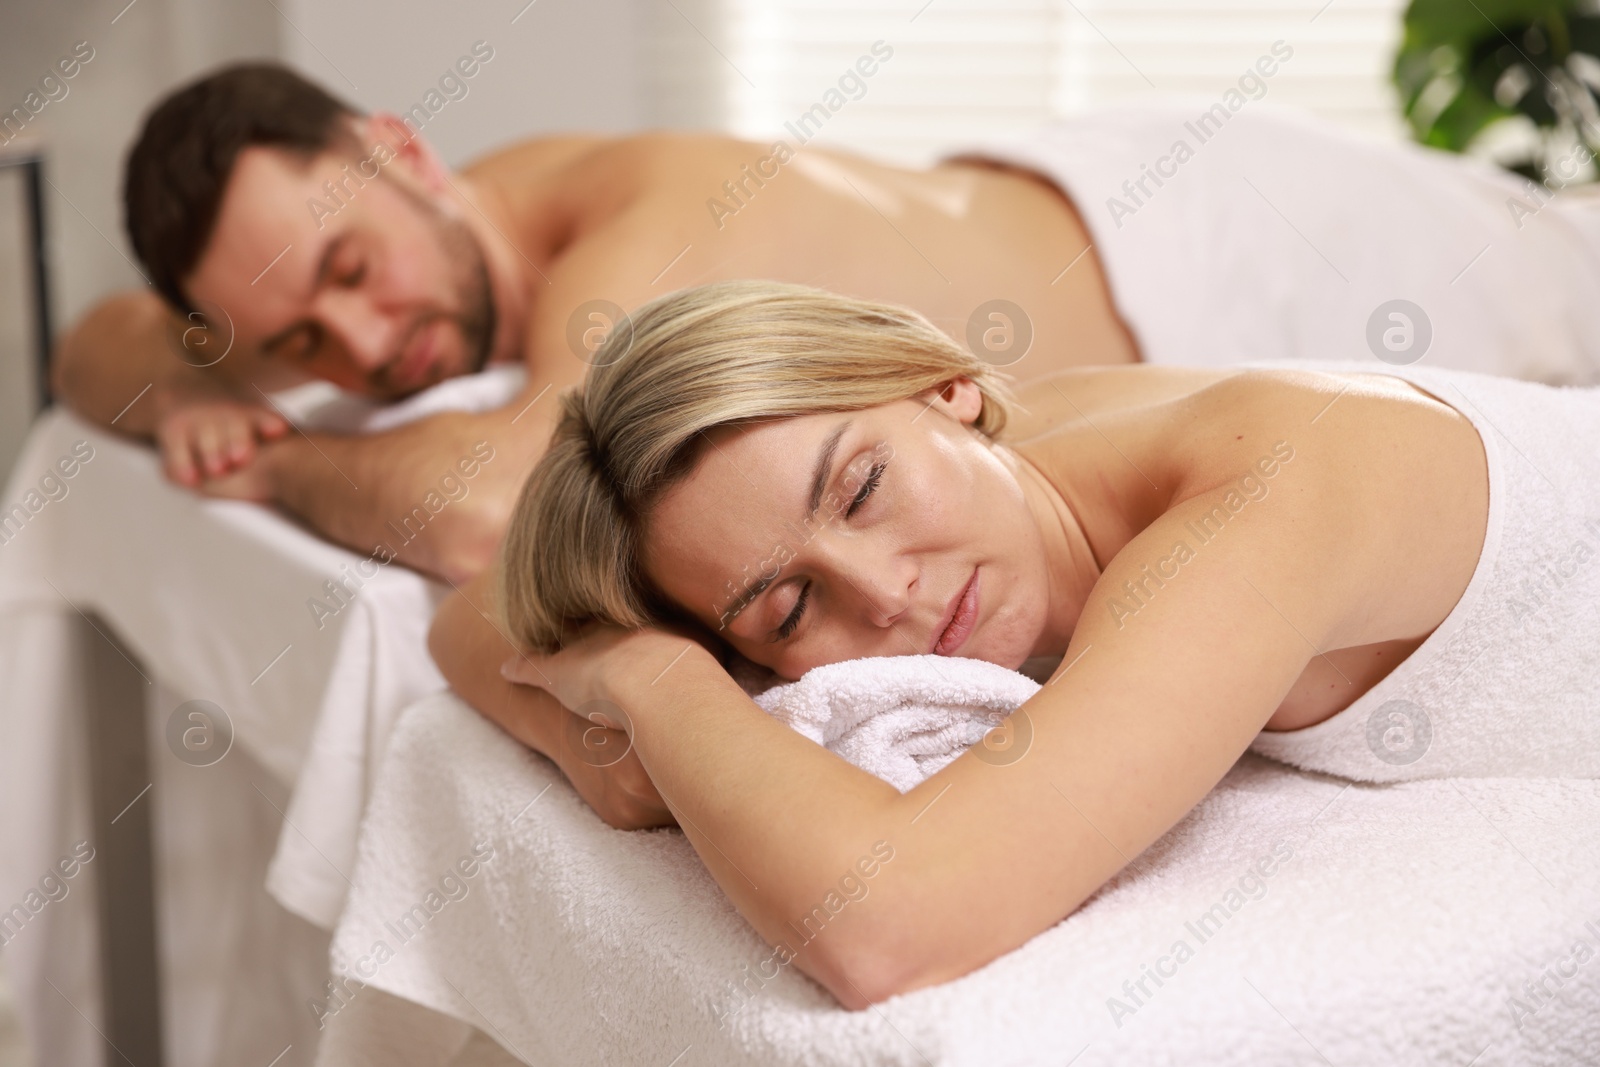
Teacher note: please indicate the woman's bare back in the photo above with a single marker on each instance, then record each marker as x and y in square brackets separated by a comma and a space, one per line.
[1410, 467]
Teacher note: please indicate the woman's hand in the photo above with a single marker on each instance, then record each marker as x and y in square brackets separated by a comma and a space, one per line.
[604, 679]
[616, 787]
[606, 673]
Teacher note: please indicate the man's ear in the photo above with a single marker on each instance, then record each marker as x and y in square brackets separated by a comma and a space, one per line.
[412, 153]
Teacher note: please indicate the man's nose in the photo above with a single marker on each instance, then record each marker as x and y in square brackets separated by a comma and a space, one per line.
[366, 334]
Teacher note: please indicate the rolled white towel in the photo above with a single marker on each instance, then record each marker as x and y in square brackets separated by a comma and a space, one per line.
[901, 718]
[324, 406]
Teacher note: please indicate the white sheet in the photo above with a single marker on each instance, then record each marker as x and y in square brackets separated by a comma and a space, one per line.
[1279, 236]
[207, 594]
[1404, 920]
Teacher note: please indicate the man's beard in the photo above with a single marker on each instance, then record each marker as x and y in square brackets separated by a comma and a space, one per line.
[474, 295]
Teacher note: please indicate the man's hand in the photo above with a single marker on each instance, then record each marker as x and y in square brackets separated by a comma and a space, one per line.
[206, 435]
[253, 481]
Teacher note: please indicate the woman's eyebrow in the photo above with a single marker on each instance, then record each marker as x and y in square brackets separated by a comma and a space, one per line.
[824, 468]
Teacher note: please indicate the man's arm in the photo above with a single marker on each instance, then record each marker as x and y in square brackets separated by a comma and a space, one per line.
[118, 367]
[435, 494]
[407, 490]
[115, 353]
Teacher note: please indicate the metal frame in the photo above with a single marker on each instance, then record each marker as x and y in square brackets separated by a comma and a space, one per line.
[119, 777]
[30, 159]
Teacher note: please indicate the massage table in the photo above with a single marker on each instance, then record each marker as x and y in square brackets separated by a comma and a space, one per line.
[120, 603]
[1447, 922]
[1408, 925]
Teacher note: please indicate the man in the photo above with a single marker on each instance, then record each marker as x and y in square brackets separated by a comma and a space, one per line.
[321, 243]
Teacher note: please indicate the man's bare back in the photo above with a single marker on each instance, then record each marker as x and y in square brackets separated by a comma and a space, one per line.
[629, 219]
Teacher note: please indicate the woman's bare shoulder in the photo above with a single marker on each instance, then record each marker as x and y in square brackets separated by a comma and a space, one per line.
[1388, 479]
[1381, 464]
[1081, 393]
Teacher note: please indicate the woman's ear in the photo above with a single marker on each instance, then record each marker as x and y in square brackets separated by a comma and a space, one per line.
[960, 398]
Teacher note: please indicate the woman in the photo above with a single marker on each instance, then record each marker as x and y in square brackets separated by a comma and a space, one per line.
[803, 478]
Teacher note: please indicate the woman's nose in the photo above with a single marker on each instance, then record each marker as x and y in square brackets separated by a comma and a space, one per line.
[879, 576]
[885, 591]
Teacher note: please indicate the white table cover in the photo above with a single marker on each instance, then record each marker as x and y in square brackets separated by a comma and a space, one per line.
[211, 597]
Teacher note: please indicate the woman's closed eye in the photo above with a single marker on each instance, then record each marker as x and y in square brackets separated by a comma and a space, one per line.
[869, 486]
[787, 627]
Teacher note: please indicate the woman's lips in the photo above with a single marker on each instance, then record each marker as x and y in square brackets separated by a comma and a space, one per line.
[963, 617]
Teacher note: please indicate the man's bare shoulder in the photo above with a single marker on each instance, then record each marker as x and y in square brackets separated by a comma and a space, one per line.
[535, 156]
[655, 155]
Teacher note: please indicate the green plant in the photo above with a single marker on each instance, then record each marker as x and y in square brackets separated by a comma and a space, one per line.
[1465, 65]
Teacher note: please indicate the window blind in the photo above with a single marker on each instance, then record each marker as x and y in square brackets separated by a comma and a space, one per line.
[961, 72]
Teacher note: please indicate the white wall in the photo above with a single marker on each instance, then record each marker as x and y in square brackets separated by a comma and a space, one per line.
[562, 65]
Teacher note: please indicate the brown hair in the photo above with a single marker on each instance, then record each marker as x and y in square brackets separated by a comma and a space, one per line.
[725, 354]
[180, 164]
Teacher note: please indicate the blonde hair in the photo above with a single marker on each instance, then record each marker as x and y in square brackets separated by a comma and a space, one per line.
[717, 355]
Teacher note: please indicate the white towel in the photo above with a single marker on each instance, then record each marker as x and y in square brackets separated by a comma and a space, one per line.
[1505, 686]
[578, 944]
[324, 406]
[901, 718]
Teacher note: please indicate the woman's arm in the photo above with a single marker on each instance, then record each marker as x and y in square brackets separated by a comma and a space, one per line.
[469, 650]
[1151, 708]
